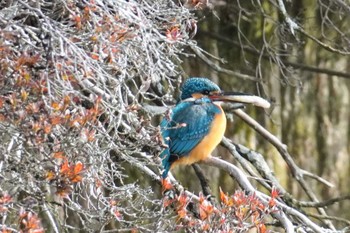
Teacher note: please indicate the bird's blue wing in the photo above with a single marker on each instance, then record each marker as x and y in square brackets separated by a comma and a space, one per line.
[186, 126]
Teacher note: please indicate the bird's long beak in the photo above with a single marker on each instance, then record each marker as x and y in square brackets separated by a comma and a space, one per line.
[238, 97]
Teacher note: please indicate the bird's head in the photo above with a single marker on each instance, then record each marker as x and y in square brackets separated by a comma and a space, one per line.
[198, 88]
[202, 87]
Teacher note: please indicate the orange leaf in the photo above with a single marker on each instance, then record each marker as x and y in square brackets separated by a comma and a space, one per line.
[5, 199]
[202, 214]
[272, 202]
[166, 185]
[182, 199]
[173, 34]
[2, 117]
[66, 100]
[29, 222]
[167, 201]
[77, 20]
[205, 208]
[274, 193]
[59, 155]
[226, 200]
[47, 128]
[76, 179]
[56, 106]
[115, 50]
[78, 167]
[182, 213]
[55, 120]
[261, 228]
[65, 168]
[27, 60]
[95, 56]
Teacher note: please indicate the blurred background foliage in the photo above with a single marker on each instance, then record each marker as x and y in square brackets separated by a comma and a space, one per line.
[310, 113]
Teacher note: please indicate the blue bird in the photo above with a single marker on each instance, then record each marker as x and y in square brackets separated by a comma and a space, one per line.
[196, 125]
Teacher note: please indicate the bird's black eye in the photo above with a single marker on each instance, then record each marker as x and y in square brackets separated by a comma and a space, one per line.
[206, 92]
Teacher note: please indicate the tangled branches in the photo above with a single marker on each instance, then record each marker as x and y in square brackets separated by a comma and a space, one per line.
[79, 149]
[72, 76]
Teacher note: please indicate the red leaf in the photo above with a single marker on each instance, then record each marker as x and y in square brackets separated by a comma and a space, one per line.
[205, 208]
[261, 228]
[65, 168]
[29, 222]
[182, 213]
[27, 60]
[95, 56]
[47, 128]
[272, 202]
[182, 199]
[55, 120]
[166, 185]
[173, 34]
[77, 20]
[2, 117]
[66, 100]
[56, 106]
[5, 199]
[59, 155]
[72, 172]
[226, 200]
[275, 193]
[167, 201]
[118, 215]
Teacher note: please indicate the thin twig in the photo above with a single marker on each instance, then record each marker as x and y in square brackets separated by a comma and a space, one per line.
[243, 181]
[322, 217]
[287, 63]
[217, 68]
[52, 220]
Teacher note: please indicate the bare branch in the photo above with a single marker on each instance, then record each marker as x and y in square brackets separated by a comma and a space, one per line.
[296, 171]
[217, 68]
[324, 203]
[240, 177]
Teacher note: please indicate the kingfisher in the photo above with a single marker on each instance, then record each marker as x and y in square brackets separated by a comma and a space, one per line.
[196, 125]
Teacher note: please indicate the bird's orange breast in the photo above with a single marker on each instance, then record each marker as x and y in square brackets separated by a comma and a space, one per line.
[205, 147]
